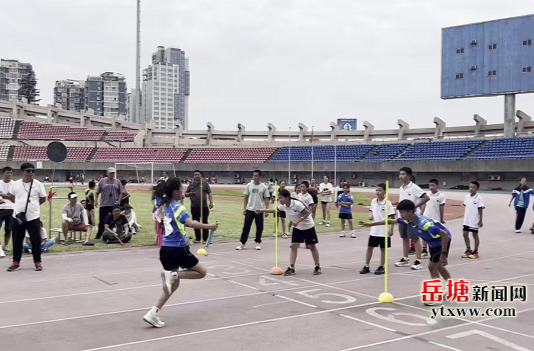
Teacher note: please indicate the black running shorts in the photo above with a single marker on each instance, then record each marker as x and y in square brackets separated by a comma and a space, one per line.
[309, 236]
[435, 252]
[172, 258]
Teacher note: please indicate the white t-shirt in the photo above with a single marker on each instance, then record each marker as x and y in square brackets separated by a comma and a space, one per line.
[6, 189]
[413, 193]
[472, 204]
[433, 206]
[378, 210]
[307, 199]
[294, 211]
[20, 190]
[329, 187]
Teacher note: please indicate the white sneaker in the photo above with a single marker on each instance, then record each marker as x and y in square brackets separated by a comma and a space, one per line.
[424, 255]
[403, 263]
[168, 278]
[2, 253]
[153, 319]
[417, 265]
[342, 235]
[518, 231]
[321, 222]
[258, 247]
[241, 247]
[328, 224]
[353, 235]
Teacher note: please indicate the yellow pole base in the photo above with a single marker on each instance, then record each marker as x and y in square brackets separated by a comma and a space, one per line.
[386, 298]
[202, 251]
[277, 271]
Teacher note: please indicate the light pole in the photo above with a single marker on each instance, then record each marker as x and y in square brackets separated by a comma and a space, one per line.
[137, 96]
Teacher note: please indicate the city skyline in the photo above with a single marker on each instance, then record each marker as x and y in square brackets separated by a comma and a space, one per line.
[282, 62]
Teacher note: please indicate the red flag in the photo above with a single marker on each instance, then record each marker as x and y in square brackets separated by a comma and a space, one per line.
[51, 194]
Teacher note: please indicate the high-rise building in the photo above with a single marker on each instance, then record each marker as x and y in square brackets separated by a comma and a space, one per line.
[11, 74]
[166, 89]
[70, 94]
[106, 94]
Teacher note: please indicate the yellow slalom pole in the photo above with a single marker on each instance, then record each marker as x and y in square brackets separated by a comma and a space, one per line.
[276, 270]
[386, 296]
[202, 250]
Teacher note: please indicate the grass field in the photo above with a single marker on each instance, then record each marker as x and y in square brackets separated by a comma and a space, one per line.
[228, 211]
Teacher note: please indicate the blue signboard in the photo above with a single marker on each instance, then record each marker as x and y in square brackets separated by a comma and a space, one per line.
[488, 58]
[347, 124]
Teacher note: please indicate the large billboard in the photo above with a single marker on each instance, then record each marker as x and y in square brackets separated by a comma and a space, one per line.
[347, 124]
[488, 58]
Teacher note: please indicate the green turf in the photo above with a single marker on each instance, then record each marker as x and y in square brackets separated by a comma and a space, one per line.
[228, 212]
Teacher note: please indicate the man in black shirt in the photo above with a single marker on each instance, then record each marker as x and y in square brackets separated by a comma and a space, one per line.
[193, 192]
[116, 227]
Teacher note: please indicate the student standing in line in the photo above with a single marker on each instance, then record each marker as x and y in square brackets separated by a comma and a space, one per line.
[521, 199]
[326, 190]
[345, 201]
[474, 209]
[434, 208]
[6, 207]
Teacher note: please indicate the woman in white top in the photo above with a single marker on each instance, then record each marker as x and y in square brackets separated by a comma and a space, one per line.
[294, 195]
[326, 189]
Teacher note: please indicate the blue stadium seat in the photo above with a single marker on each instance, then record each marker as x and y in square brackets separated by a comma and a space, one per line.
[385, 152]
[507, 148]
[323, 153]
[439, 150]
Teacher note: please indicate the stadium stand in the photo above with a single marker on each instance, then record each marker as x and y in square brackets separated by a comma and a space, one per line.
[41, 131]
[7, 125]
[4, 151]
[385, 152]
[506, 148]
[163, 155]
[439, 151]
[302, 154]
[38, 153]
[230, 155]
[120, 136]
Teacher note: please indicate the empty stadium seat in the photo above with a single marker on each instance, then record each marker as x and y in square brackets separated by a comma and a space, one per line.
[507, 148]
[323, 153]
[42, 131]
[230, 155]
[120, 136]
[7, 125]
[161, 155]
[4, 150]
[439, 150]
[385, 152]
[38, 153]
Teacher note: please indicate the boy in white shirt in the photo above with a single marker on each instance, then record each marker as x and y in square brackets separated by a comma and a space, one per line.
[325, 190]
[410, 191]
[474, 209]
[377, 213]
[303, 231]
[434, 208]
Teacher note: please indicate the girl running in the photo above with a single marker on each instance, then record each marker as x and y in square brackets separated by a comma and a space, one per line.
[174, 252]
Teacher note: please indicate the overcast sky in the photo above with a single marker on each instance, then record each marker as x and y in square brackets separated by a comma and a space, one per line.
[261, 61]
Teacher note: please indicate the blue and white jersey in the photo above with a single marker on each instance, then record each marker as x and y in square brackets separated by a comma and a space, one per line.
[427, 229]
[174, 219]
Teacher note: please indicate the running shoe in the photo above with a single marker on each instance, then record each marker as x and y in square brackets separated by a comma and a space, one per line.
[417, 265]
[403, 263]
[5, 248]
[241, 247]
[467, 253]
[365, 270]
[2, 253]
[321, 222]
[342, 235]
[168, 278]
[38, 266]
[353, 235]
[15, 266]
[424, 254]
[474, 255]
[290, 271]
[380, 270]
[328, 224]
[317, 270]
[411, 252]
[284, 236]
[258, 246]
[153, 319]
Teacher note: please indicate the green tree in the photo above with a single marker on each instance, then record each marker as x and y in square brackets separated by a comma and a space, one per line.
[28, 88]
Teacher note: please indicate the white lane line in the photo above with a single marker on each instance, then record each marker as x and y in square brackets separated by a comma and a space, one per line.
[264, 321]
[444, 346]
[297, 301]
[362, 321]
[270, 303]
[246, 286]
